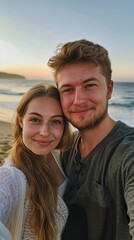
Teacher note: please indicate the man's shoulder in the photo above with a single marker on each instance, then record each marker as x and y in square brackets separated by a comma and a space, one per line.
[125, 128]
[123, 131]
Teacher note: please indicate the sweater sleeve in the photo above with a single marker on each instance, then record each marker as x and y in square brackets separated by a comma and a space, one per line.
[4, 232]
[8, 193]
[129, 186]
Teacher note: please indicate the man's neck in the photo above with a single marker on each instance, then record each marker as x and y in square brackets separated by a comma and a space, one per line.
[90, 138]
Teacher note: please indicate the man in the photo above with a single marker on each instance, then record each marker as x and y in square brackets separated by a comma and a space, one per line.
[100, 162]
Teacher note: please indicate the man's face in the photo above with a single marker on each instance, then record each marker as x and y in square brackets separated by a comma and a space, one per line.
[84, 94]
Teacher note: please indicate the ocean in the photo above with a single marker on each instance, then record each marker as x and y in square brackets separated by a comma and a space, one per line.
[121, 105]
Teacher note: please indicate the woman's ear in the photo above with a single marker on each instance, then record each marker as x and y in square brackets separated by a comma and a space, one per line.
[20, 122]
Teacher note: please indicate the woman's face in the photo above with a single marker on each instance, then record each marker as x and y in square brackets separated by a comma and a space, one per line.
[42, 125]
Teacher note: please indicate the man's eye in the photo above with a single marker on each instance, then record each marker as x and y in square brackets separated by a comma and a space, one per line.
[90, 85]
[66, 90]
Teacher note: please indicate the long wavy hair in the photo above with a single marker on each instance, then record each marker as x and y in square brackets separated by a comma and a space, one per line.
[81, 51]
[42, 189]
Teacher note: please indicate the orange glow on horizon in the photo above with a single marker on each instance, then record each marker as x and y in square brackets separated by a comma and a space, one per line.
[38, 72]
[30, 72]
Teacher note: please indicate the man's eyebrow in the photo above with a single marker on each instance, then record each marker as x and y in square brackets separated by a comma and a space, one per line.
[90, 79]
[82, 81]
[65, 85]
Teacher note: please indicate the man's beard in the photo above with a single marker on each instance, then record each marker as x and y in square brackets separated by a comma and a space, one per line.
[91, 124]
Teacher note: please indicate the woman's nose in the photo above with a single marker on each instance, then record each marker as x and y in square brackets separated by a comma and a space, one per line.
[44, 130]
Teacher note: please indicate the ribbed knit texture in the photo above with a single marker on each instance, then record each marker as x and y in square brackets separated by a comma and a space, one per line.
[9, 197]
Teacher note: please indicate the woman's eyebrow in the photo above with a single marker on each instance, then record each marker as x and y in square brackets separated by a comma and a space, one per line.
[53, 116]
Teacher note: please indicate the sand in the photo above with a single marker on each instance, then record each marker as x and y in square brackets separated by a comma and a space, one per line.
[5, 139]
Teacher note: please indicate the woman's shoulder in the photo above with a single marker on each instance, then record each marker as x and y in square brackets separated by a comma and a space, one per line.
[9, 191]
[11, 175]
[6, 173]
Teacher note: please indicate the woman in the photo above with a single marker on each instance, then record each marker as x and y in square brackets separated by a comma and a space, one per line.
[30, 207]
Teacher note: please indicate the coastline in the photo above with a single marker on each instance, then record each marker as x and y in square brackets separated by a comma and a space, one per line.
[5, 139]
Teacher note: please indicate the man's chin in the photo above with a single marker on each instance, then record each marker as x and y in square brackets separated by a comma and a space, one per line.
[88, 125]
[81, 126]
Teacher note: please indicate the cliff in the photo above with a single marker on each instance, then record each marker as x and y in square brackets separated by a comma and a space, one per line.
[10, 75]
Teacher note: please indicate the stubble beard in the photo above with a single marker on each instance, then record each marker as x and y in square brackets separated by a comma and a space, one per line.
[89, 124]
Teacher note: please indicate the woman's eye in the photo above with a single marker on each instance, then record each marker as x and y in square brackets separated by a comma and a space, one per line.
[35, 120]
[56, 121]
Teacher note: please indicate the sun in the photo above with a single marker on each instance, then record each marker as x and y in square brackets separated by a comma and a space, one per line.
[9, 54]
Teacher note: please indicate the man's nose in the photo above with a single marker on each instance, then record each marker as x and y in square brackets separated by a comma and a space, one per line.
[79, 97]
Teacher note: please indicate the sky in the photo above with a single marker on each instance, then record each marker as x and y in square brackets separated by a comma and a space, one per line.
[30, 31]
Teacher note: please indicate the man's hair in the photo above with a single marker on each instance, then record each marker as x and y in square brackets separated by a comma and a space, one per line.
[81, 51]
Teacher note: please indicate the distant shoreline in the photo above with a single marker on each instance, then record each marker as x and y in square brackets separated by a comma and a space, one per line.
[11, 76]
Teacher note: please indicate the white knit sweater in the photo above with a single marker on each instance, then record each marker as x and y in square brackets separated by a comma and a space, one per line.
[14, 200]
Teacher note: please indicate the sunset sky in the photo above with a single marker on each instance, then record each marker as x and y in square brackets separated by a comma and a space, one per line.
[30, 30]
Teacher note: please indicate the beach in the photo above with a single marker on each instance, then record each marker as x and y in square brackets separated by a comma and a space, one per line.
[5, 139]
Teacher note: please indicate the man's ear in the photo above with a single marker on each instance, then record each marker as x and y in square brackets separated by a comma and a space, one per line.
[110, 89]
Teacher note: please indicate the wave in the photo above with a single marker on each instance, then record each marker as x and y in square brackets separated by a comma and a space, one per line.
[122, 105]
[9, 105]
[10, 92]
[128, 97]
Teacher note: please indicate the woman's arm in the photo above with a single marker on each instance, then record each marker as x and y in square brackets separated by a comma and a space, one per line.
[8, 194]
[4, 233]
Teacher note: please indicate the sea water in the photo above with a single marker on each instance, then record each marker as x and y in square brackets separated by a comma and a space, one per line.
[121, 105]
[11, 92]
